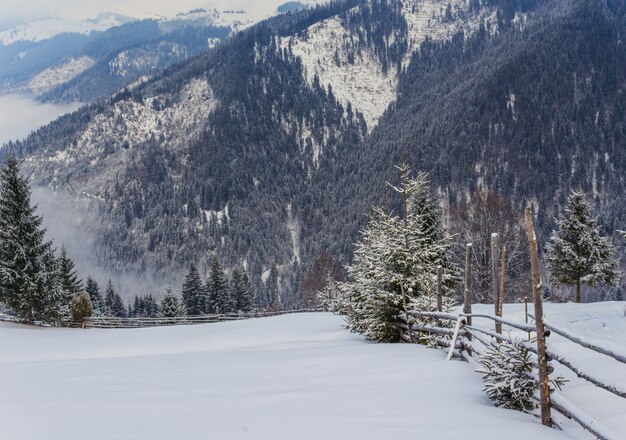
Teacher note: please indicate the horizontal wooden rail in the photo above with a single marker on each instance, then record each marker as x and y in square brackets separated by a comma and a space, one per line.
[517, 325]
[439, 315]
[427, 329]
[140, 322]
[563, 361]
[587, 344]
[569, 410]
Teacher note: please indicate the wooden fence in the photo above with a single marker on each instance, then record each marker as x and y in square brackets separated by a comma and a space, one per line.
[464, 340]
[467, 341]
[470, 341]
[139, 322]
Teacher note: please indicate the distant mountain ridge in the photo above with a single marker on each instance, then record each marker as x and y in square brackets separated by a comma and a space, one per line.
[44, 29]
[271, 147]
[60, 59]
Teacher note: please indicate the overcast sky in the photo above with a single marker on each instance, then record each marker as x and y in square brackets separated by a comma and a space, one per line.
[13, 12]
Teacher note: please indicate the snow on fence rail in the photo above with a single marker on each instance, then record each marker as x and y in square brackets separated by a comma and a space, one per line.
[139, 322]
[14, 319]
[469, 340]
[621, 357]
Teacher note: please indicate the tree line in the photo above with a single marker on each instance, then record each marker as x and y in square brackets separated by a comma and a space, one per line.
[400, 253]
[39, 283]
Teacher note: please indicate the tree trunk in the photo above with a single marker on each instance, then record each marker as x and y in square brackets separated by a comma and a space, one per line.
[578, 290]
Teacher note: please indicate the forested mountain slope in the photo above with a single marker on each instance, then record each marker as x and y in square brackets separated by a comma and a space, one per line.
[270, 148]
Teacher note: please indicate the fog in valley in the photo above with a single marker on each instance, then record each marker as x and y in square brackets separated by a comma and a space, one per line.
[21, 114]
[68, 221]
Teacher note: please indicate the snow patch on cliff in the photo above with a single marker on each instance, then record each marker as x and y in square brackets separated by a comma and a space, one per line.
[362, 81]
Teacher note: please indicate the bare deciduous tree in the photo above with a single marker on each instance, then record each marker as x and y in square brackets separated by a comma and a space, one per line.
[473, 221]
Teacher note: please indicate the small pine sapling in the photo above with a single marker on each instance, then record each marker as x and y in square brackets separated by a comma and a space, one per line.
[507, 371]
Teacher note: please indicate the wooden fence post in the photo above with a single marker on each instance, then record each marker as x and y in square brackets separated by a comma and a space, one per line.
[501, 300]
[467, 304]
[406, 313]
[494, 276]
[542, 358]
[439, 289]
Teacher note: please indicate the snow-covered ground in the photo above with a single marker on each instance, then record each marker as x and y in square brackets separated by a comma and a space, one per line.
[603, 324]
[295, 376]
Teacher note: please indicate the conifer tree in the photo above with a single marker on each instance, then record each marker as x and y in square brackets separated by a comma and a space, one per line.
[272, 290]
[171, 305]
[193, 292]
[29, 271]
[150, 307]
[577, 253]
[93, 290]
[246, 299]
[218, 292]
[70, 283]
[137, 307]
[242, 292]
[113, 303]
[395, 264]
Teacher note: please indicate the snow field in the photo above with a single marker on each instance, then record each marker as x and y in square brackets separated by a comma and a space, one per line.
[291, 376]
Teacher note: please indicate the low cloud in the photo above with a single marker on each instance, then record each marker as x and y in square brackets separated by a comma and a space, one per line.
[69, 221]
[20, 114]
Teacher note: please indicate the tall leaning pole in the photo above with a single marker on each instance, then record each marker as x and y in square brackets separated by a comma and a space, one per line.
[542, 358]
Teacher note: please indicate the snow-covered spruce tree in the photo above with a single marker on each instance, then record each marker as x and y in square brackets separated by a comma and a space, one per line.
[145, 307]
[80, 306]
[29, 272]
[395, 263]
[171, 305]
[241, 291]
[507, 372]
[68, 278]
[219, 293]
[151, 307]
[93, 290]
[577, 253]
[427, 302]
[423, 224]
[113, 304]
[193, 292]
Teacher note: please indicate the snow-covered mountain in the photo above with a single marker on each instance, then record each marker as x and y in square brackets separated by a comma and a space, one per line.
[63, 59]
[363, 78]
[44, 29]
[294, 124]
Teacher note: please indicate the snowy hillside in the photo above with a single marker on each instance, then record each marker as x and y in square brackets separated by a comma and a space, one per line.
[327, 51]
[130, 123]
[47, 28]
[277, 378]
[54, 76]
